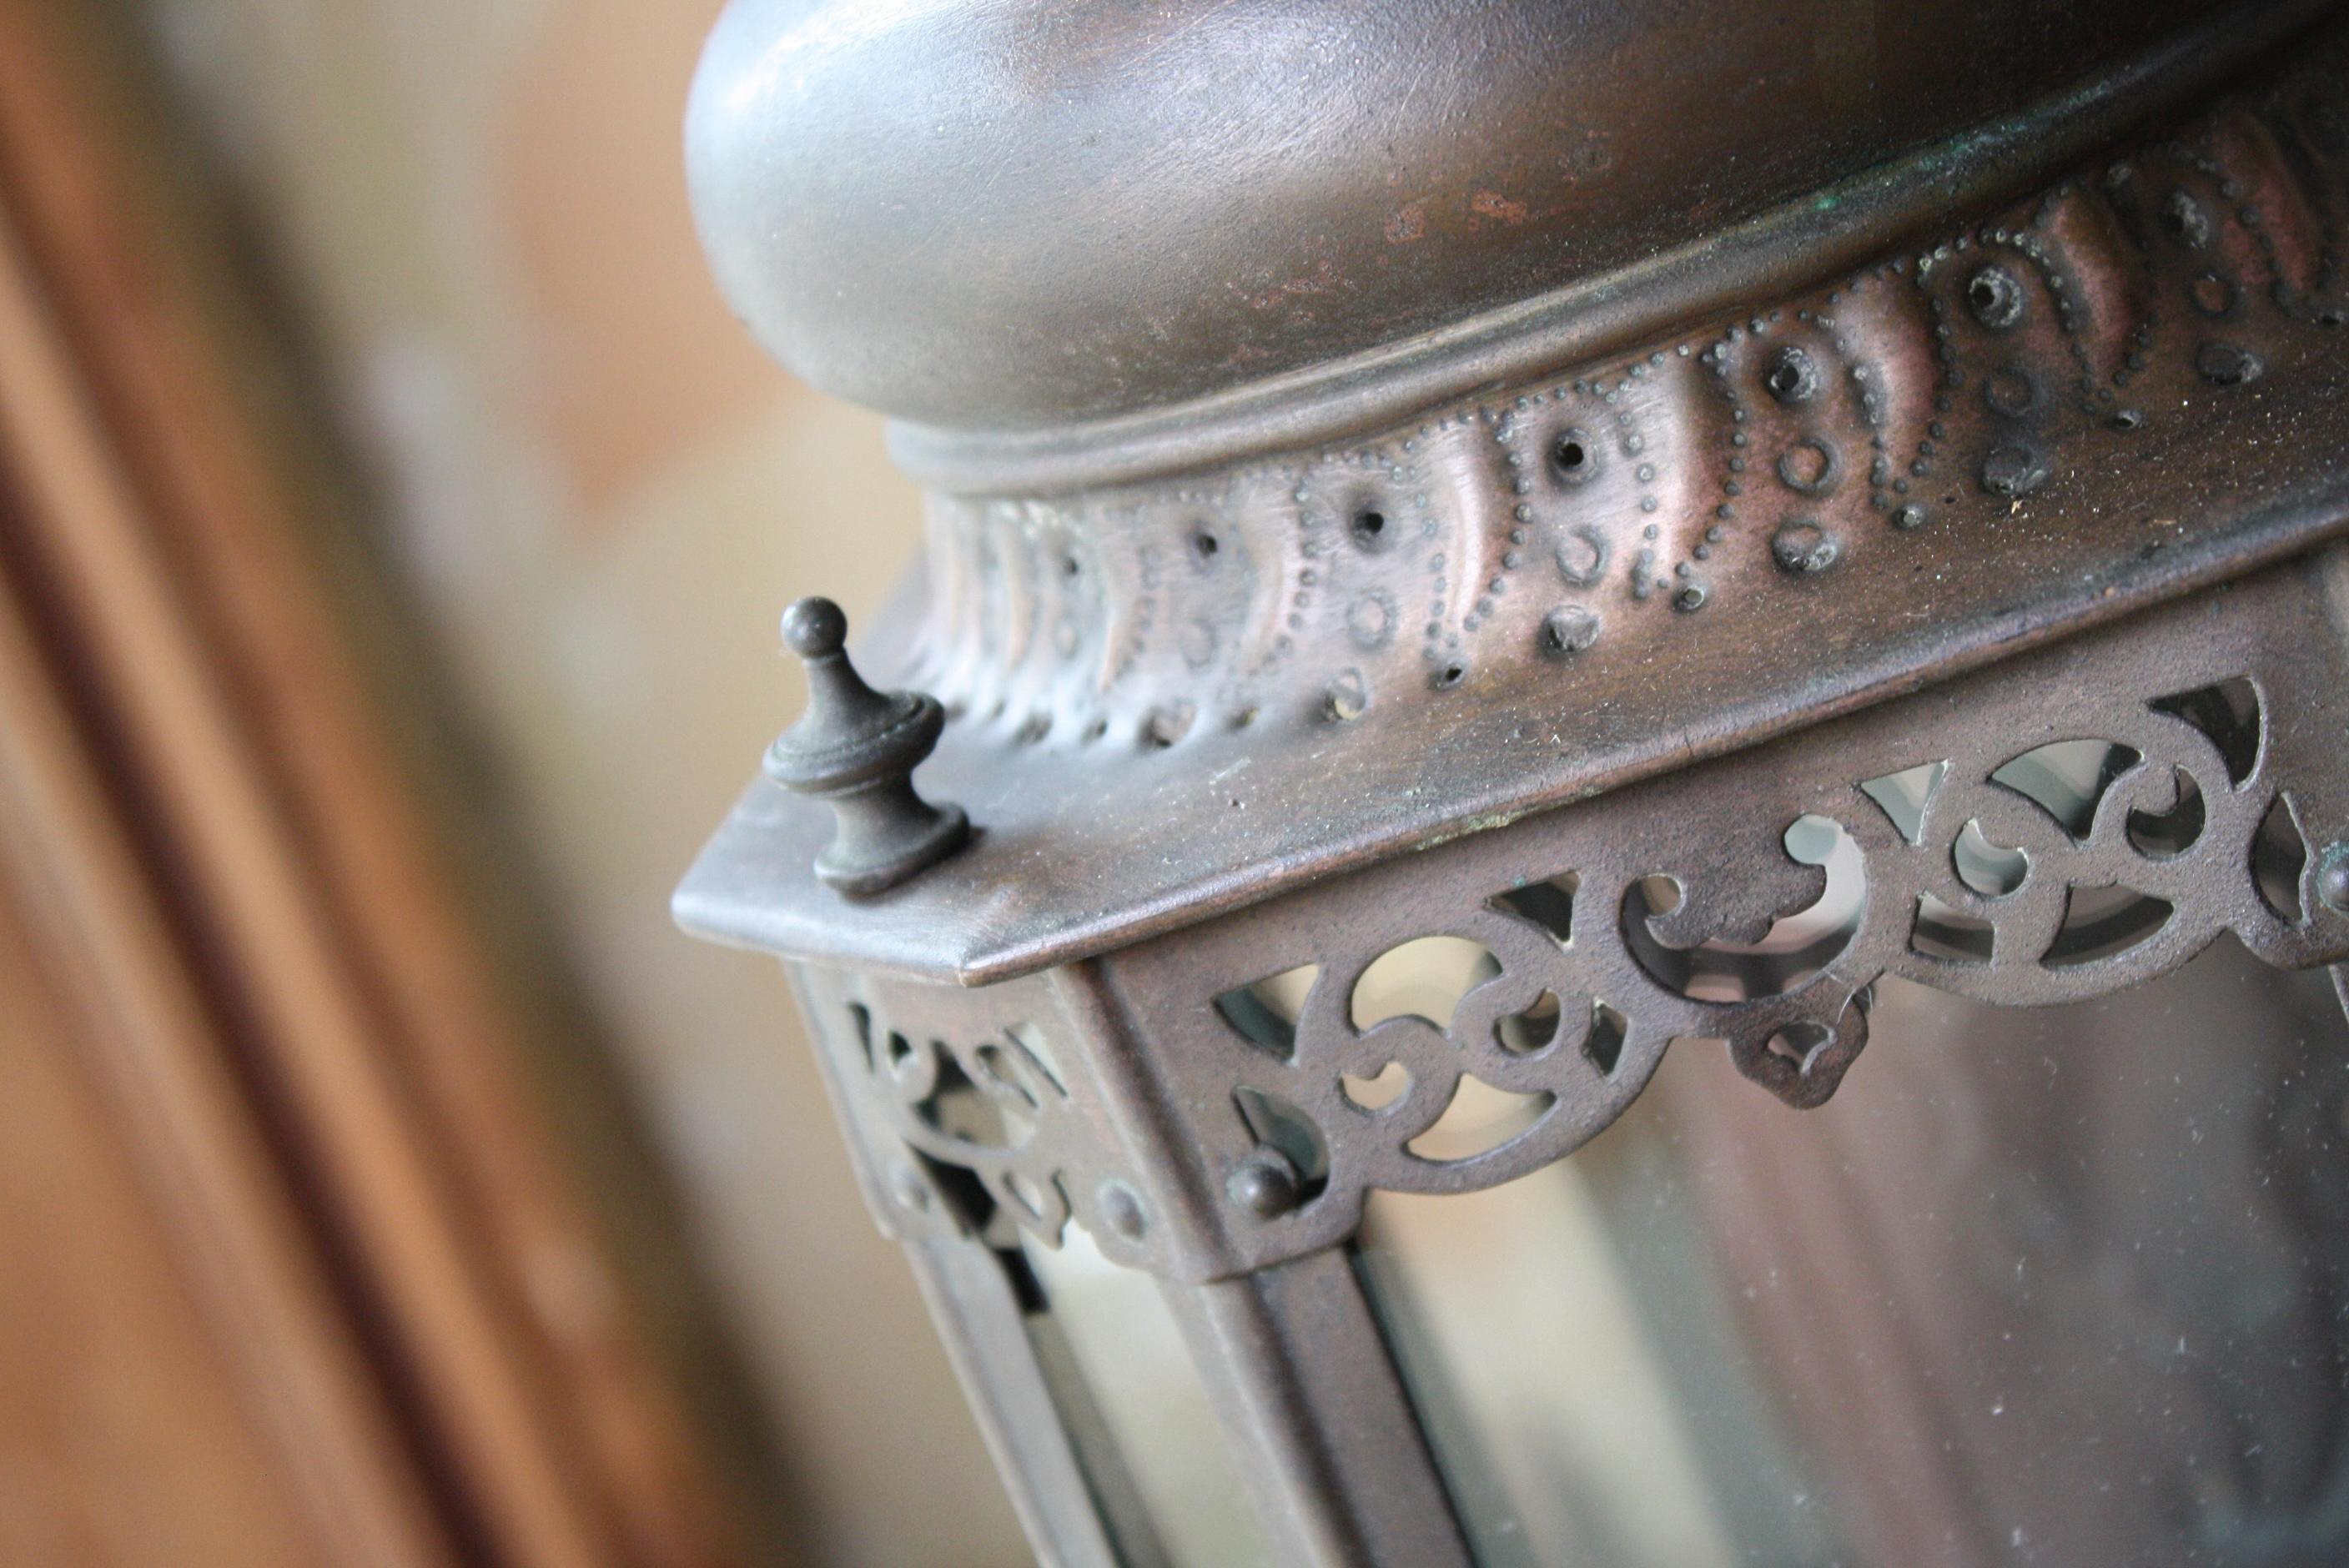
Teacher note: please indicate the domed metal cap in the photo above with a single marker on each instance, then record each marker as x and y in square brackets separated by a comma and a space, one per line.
[1324, 603]
[1016, 215]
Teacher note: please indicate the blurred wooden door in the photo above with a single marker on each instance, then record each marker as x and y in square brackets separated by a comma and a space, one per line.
[122, 1435]
[291, 1267]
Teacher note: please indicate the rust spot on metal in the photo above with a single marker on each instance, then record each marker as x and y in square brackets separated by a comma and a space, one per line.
[1494, 205]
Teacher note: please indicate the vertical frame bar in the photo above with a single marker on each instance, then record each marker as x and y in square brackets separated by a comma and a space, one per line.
[1325, 1433]
[987, 1340]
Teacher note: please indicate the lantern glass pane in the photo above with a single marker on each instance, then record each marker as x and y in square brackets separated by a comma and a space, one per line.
[2071, 1282]
[1131, 1396]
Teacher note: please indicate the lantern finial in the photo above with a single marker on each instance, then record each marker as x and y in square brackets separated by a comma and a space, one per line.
[857, 748]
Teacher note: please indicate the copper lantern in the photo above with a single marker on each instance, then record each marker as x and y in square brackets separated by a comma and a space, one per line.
[1466, 543]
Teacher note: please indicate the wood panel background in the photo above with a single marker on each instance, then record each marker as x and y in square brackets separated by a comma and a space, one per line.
[289, 1266]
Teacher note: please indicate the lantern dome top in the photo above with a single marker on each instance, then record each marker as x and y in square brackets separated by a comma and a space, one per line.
[1004, 216]
[1227, 588]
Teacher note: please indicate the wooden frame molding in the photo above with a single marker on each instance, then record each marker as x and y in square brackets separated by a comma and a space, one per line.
[285, 1005]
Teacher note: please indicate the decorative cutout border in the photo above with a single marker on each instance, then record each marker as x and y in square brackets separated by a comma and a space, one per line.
[2075, 821]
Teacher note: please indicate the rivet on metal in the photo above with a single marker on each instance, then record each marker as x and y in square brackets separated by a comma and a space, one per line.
[2333, 879]
[910, 1189]
[1121, 1206]
[1266, 1185]
[856, 749]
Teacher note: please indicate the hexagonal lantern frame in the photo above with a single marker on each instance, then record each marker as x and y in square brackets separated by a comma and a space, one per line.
[1555, 668]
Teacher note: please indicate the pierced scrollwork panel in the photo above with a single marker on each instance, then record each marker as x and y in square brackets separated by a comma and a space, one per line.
[956, 1112]
[1000, 1113]
[2056, 828]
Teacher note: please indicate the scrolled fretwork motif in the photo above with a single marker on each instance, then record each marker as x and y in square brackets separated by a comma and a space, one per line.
[968, 1113]
[958, 1106]
[2057, 829]
[1001, 1114]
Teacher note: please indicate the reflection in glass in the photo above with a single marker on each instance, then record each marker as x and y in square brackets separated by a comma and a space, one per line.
[2066, 1285]
[1130, 1395]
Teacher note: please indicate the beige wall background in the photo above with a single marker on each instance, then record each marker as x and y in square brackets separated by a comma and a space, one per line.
[602, 496]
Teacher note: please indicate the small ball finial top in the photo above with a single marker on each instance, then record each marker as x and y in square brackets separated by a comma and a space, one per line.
[855, 749]
[815, 628]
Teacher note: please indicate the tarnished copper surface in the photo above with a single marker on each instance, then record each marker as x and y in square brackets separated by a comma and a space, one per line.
[1002, 217]
[1123, 1081]
[1173, 699]
[1642, 525]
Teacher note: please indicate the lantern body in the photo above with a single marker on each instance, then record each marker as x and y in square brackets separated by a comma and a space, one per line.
[1452, 731]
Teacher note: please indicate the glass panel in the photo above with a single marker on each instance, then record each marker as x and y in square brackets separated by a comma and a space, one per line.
[1131, 1398]
[2066, 1285]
